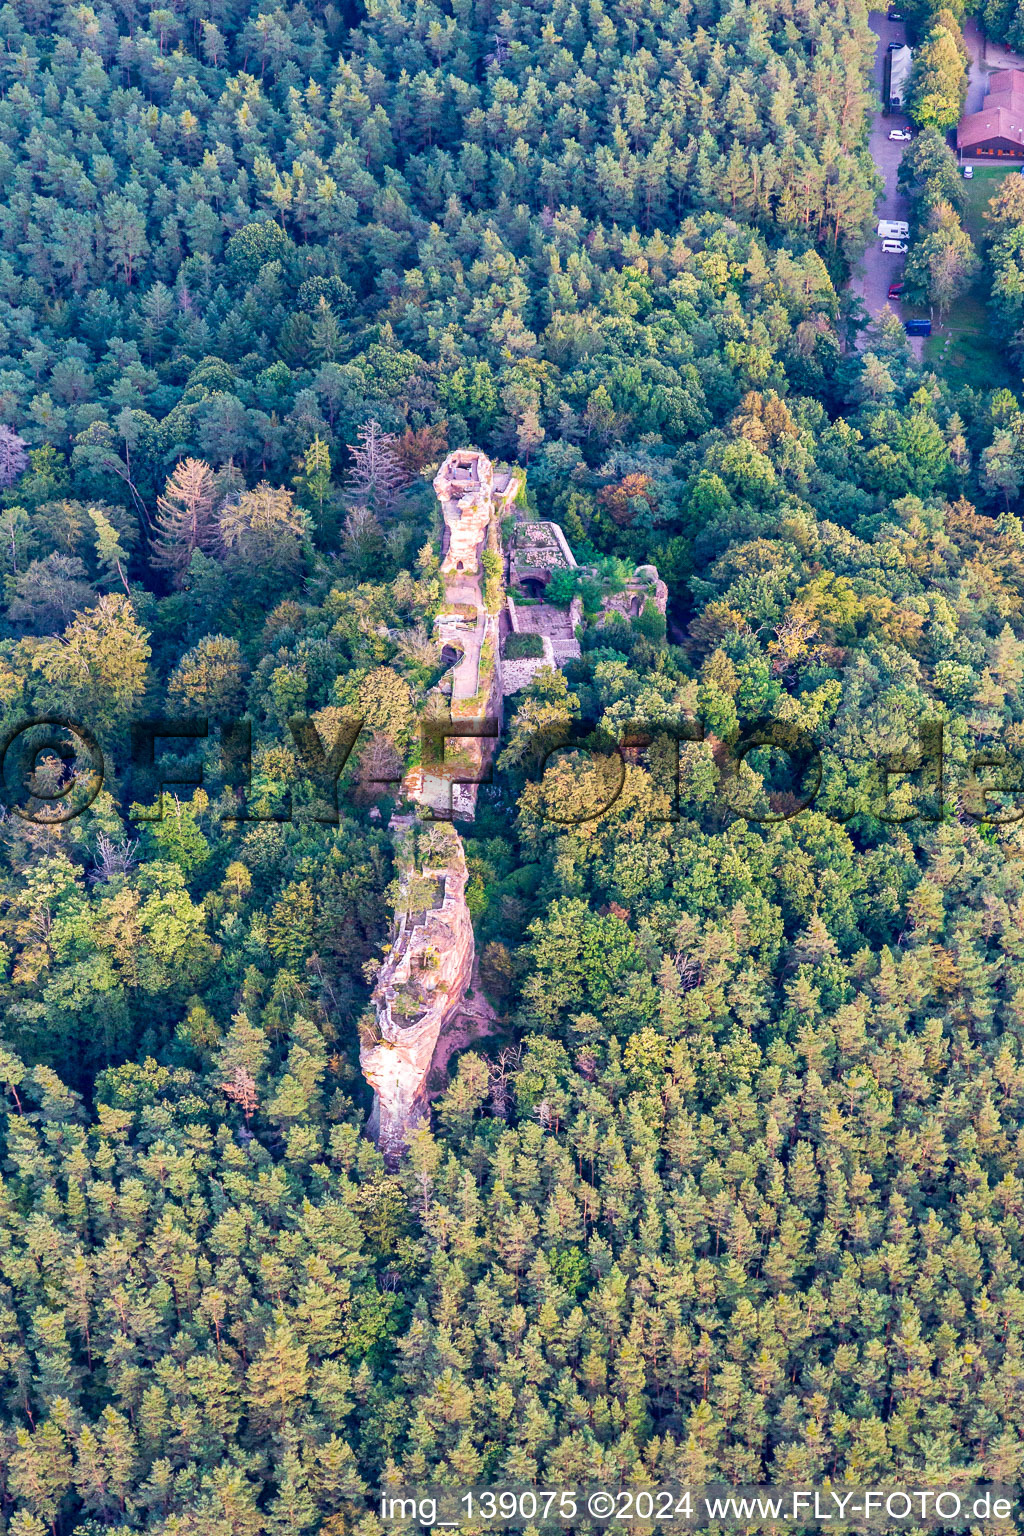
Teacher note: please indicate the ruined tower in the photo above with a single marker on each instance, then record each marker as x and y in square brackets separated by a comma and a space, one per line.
[470, 492]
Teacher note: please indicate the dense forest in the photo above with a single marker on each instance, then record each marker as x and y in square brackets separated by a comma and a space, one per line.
[737, 1189]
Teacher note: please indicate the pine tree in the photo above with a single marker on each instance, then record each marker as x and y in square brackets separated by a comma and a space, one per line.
[110, 552]
[327, 337]
[278, 1376]
[261, 534]
[316, 473]
[185, 522]
[243, 1056]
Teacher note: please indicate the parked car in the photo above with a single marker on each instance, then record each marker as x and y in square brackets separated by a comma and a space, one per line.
[895, 15]
[894, 45]
[901, 135]
[968, 173]
[895, 289]
[917, 327]
[894, 247]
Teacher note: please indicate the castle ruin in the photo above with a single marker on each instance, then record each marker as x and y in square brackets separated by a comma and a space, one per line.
[421, 987]
[474, 497]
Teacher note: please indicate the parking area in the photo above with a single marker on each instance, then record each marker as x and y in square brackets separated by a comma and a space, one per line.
[881, 268]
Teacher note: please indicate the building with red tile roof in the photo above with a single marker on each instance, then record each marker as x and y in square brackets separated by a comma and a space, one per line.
[998, 129]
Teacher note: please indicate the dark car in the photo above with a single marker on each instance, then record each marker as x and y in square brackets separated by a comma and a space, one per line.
[895, 15]
[895, 289]
[917, 327]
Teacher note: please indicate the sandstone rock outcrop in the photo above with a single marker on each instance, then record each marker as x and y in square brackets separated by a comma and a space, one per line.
[470, 493]
[423, 979]
[420, 995]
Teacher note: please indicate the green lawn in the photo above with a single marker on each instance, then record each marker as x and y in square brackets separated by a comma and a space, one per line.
[985, 184]
[963, 349]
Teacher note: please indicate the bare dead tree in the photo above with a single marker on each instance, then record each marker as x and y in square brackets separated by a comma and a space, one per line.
[380, 767]
[13, 456]
[496, 59]
[241, 1089]
[501, 1070]
[376, 478]
[112, 859]
[185, 522]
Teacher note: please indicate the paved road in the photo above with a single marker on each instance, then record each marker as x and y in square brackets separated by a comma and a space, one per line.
[877, 270]
[977, 74]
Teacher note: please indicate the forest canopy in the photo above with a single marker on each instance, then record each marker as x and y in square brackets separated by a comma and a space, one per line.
[735, 1189]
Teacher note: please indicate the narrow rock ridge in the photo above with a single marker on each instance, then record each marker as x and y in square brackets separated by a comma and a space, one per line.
[427, 968]
[474, 497]
[423, 980]
[422, 983]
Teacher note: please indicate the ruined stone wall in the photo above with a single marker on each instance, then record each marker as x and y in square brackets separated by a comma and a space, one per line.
[537, 550]
[644, 585]
[517, 674]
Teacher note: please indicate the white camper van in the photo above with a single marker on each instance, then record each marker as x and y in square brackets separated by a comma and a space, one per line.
[893, 229]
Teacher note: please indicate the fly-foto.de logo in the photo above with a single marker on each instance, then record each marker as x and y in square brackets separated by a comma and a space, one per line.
[53, 767]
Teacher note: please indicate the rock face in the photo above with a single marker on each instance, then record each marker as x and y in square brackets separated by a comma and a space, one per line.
[422, 982]
[469, 492]
[464, 487]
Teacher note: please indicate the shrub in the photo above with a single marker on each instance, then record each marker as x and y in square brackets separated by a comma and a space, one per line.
[562, 588]
[522, 647]
[651, 623]
[494, 587]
